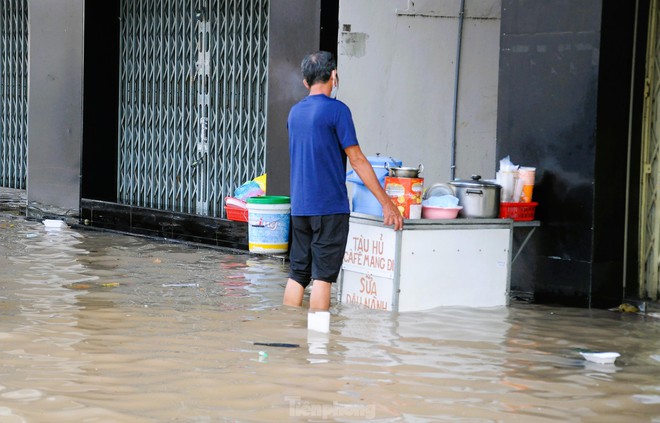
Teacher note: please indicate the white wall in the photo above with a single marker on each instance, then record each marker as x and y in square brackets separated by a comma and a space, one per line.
[396, 68]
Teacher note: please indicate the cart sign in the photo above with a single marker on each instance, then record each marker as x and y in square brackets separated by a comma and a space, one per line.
[370, 250]
[366, 290]
[368, 269]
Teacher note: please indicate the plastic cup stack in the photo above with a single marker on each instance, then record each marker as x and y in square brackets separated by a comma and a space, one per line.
[527, 176]
[507, 180]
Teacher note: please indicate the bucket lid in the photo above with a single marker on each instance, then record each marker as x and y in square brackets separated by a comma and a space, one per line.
[269, 199]
[474, 182]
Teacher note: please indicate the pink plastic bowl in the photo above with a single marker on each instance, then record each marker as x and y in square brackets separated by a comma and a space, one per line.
[430, 212]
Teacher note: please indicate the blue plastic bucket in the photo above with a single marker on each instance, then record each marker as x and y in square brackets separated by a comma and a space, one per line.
[363, 200]
[269, 222]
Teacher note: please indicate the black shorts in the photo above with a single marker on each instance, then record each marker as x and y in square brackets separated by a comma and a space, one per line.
[317, 247]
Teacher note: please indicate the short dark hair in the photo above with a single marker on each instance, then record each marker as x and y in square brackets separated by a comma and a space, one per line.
[317, 67]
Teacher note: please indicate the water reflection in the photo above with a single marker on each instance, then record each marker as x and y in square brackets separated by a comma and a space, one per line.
[110, 328]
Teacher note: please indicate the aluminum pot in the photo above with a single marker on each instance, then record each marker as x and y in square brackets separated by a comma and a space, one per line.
[404, 172]
[478, 198]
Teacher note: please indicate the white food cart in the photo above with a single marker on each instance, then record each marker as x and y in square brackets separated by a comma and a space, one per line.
[430, 263]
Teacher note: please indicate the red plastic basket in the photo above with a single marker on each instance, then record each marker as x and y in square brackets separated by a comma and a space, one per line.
[518, 211]
[236, 213]
[236, 209]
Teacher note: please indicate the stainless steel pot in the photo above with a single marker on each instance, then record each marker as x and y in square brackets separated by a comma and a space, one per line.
[404, 172]
[478, 198]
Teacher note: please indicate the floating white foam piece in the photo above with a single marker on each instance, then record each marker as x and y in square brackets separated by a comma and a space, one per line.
[54, 223]
[600, 357]
[318, 321]
[317, 342]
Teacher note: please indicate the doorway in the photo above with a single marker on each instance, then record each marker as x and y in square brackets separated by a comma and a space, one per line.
[649, 216]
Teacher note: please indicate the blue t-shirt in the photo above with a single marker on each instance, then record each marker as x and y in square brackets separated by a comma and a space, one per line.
[320, 129]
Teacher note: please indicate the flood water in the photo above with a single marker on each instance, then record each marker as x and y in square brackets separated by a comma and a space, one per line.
[104, 327]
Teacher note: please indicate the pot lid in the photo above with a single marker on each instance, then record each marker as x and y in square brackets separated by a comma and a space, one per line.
[474, 182]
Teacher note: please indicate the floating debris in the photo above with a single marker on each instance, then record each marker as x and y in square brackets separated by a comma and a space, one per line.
[181, 285]
[628, 308]
[54, 223]
[277, 344]
[600, 357]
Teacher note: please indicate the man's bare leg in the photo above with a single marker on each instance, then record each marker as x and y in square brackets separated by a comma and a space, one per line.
[319, 299]
[293, 293]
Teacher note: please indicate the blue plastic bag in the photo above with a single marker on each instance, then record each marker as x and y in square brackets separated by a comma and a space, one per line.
[247, 190]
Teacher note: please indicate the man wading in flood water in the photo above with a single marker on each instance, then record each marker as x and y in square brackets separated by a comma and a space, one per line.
[321, 137]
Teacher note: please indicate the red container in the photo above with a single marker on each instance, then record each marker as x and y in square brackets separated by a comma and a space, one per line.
[406, 194]
[236, 213]
[236, 209]
[518, 211]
